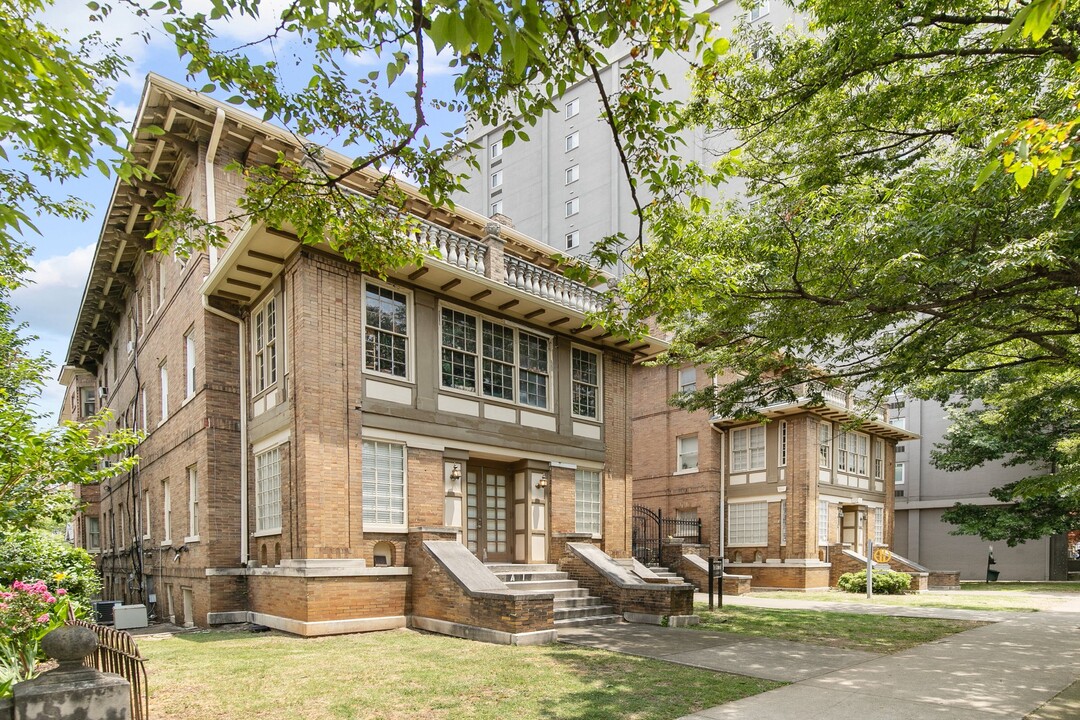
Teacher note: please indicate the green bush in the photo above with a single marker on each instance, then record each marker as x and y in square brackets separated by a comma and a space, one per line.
[28, 555]
[886, 582]
[28, 612]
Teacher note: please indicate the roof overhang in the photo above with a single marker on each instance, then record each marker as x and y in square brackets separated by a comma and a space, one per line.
[827, 410]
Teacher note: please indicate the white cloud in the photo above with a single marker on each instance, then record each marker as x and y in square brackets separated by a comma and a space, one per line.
[51, 299]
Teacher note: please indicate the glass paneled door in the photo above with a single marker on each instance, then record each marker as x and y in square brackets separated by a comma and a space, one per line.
[487, 510]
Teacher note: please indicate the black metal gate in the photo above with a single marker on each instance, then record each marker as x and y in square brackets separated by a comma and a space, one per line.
[651, 527]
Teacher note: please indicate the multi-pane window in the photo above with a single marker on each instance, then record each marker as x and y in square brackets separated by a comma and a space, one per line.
[587, 501]
[852, 453]
[573, 239]
[164, 373]
[573, 108]
[264, 339]
[748, 449]
[384, 484]
[573, 174]
[748, 523]
[823, 522]
[93, 534]
[585, 383]
[503, 354]
[268, 490]
[825, 444]
[687, 379]
[879, 458]
[781, 435]
[189, 363]
[458, 350]
[88, 398]
[572, 141]
[573, 205]
[687, 449]
[193, 501]
[166, 512]
[783, 522]
[879, 526]
[496, 179]
[386, 331]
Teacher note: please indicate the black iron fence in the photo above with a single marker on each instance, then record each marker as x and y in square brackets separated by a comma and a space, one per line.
[650, 528]
[117, 653]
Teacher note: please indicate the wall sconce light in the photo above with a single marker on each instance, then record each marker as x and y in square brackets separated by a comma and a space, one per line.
[542, 483]
[455, 473]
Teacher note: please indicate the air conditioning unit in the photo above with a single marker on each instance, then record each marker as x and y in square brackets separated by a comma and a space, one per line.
[103, 392]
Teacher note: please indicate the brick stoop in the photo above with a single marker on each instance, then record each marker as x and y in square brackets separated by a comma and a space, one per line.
[574, 607]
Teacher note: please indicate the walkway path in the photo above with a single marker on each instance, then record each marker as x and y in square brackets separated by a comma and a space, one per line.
[769, 603]
[1007, 669]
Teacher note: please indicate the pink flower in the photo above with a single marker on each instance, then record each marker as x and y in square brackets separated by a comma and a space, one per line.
[61, 592]
[43, 618]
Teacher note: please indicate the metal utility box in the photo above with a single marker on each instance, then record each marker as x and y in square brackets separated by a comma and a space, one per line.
[103, 611]
[126, 617]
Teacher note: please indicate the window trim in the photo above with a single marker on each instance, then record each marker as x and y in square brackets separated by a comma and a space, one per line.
[262, 527]
[572, 207]
[573, 174]
[599, 514]
[878, 459]
[91, 546]
[410, 331]
[599, 383]
[679, 453]
[573, 108]
[900, 469]
[823, 523]
[824, 432]
[848, 455]
[682, 382]
[389, 527]
[163, 379]
[256, 351]
[478, 319]
[572, 141]
[496, 149]
[747, 449]
[496, 179]
[193, 503]
[190, 352]
[166, 512]
[575, 241]
[497, 207]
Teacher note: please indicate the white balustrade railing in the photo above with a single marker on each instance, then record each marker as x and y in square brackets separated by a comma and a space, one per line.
[535, 280]
[455, 249]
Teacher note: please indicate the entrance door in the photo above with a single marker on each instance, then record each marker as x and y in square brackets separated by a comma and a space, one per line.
[487, 497]
[853, 526]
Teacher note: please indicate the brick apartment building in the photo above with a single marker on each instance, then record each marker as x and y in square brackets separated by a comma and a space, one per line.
[80, 403]
[311, 428]
[777, 499]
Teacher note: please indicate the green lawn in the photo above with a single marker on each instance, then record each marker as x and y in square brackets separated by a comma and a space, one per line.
[1018, 602]
[403, 674]
[875, 633]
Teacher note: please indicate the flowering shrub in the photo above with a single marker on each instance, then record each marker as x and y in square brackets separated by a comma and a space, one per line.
[37, 553]
[28, 611]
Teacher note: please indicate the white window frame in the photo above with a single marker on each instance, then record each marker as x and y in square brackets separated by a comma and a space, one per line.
[899, 422]
[573, 239]
[166, 513]
[93, 533]
[783, 521]
[682, 454]
[823, 522]
[825, 445]
[84, 393]
[496, 149]
[189, 363]
[879, 526]
[598, 387]
[371, 480]
[142, 407]
[900, 473]
[163, 372]
[410, 330]
[572, 207]
[496, 179]
[852, 453]
[744, 442]
[193, 503]
[781, 443]
[478, 358]
[573, 107]
[146, 514]
[133, 331]
[573, 141]
[589, 502]
[573, 174]
[497, 207]
[268, 491]
[759, 10]
[748, 524]
[265, 333]
[688, 379]
[879, 459]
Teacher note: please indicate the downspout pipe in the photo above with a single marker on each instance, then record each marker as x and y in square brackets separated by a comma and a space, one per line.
[723, 484]
[241, 332]
[208, 173]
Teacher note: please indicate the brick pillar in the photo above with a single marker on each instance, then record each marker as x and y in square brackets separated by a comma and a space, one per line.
[618, 480]
[802, 488]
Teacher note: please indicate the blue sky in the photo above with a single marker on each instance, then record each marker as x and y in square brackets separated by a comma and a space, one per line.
[64, 249]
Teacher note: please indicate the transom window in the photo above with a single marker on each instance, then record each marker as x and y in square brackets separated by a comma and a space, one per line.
[386, 331]
[748, 523]
[264, 340]
[587, 501]
[687, 448]
[384, 484]
[268, 490]
[748, 449]
[513, 364]
[585, 383]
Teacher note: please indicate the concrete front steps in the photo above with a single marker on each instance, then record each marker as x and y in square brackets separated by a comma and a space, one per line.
[661, 571]
[574, 607]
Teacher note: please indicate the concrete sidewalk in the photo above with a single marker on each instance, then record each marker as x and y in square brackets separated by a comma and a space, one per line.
[767, 603]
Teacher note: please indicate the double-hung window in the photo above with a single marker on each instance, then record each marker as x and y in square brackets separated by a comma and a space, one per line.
[163, 372]
[268, 490]
[189, 363]
[825, 445]
[384, 485]
[193, 502]
[512, 365]
[687, 449]
[879, 526]
[781, 436]
[748, 449]
[823, 522]
[687, 379]
[88, 398]
[748, 523]
[585, 383]
[93, 534]
[587, 501]
[166, 513]
[386, 331]
[879, 458]
[852, 453]
[264, 340]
